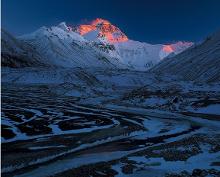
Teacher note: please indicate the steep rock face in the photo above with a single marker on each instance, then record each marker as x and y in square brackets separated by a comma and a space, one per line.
[200, 63]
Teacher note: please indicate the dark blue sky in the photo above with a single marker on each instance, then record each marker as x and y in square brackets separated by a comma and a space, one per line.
[154, 21]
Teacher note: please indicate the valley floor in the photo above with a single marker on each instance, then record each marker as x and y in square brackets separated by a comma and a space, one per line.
[140, 127]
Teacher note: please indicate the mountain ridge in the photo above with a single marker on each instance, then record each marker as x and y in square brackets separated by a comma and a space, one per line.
[97, 44]
[199, 63]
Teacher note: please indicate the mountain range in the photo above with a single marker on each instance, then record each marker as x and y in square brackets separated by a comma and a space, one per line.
[100, 44]
[96, 44]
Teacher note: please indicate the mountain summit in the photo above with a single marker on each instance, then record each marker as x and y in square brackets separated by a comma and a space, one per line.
[100, 28]
[96, 44]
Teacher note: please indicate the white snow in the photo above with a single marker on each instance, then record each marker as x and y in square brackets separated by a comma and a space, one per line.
[201, 161]
[210, 109]
[154, 101]
[199, 63]
[60, 46]
[142, 56]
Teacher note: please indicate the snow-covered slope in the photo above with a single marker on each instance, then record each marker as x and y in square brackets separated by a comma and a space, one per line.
[97, 44]
[100, 29]
[63, 47]
[143, 56]
[199, 63]
[14, 53]
[138, 55]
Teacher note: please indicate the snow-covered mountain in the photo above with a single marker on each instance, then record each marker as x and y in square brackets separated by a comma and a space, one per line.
[97, 44]
[100, 29]
[63, 47]
[15, 53]
[199, 63]
[138, 55]
[143, 56]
